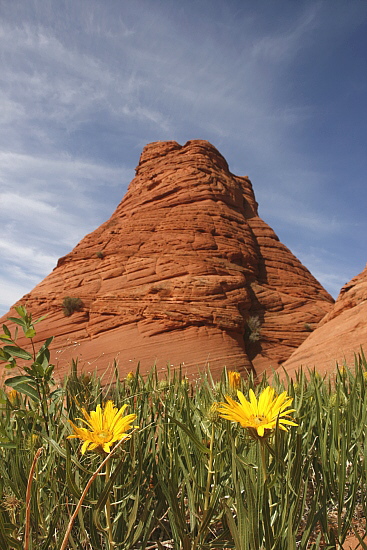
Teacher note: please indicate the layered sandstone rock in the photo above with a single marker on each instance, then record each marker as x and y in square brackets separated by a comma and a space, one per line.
[184, 272]
[340, 335]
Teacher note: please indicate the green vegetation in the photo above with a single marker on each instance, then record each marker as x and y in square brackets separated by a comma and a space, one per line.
[253, 329]
[71, 304]
[184, 478]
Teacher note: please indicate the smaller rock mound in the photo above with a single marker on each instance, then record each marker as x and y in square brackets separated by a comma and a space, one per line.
[339, 335]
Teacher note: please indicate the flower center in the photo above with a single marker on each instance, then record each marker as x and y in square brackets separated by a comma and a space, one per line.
[259, 419]
[104, 437]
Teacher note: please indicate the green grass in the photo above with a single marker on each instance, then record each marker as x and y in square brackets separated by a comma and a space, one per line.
[186, 479]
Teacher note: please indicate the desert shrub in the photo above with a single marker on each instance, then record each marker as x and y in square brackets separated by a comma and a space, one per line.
[100, 254]
[71, 304]
[253, 328]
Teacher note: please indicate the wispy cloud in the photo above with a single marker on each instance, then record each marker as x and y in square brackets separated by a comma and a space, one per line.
[54, 87]
[282, 45]
[325, 265]
[12, 291]
[48, 205]
[55, 186]
[29, 258]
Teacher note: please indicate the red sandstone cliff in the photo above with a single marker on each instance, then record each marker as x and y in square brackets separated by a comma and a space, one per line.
[184, 271]
[340, 334]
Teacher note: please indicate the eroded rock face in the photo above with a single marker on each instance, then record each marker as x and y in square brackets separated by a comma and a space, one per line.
[340, 335]
[184, 272]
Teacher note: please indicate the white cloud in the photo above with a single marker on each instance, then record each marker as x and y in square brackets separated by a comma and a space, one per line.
[23, 259]
[11, 292]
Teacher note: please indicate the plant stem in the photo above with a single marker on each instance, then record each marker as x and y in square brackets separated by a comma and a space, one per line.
[28, 499]
[84, 493]
[201, 535]
[210, 471]
[42, 396]
[108, 508]
[263, 461]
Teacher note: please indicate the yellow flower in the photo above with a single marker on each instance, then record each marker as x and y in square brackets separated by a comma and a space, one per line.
[259, 416]
[343, 371]
[105, 427]
[13, 396]
[234, 379]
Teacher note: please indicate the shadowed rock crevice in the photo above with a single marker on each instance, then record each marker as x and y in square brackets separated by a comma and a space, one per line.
[176, 272]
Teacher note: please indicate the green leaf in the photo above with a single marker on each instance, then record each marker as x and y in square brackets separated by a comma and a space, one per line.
[8, 444]
[40, 319]
[22, 311]
[38, 369]
[57, 394]
[239, 544]
[7, 542]
[43, 358]
[48, 373]
[6, 331]
[6, 337]
[193, 438]
[30, 333]
[24, 384]
[47, 343]
[11, 365]
[102, 499]
[70, 477]
[4, 356]
[17, 321]
[15, 351]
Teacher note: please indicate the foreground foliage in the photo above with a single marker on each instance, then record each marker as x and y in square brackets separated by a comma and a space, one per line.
[186, 478]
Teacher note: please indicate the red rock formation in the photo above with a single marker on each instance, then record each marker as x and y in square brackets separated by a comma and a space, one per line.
[340, 334]
[179, 274]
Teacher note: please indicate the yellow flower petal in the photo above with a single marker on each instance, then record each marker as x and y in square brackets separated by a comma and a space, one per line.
[261, 431]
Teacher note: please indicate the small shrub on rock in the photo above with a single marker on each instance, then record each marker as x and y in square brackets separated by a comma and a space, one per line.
[71, 304]
[253, 328]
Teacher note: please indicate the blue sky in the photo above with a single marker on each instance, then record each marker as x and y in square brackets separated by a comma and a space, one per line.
[279, 87]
